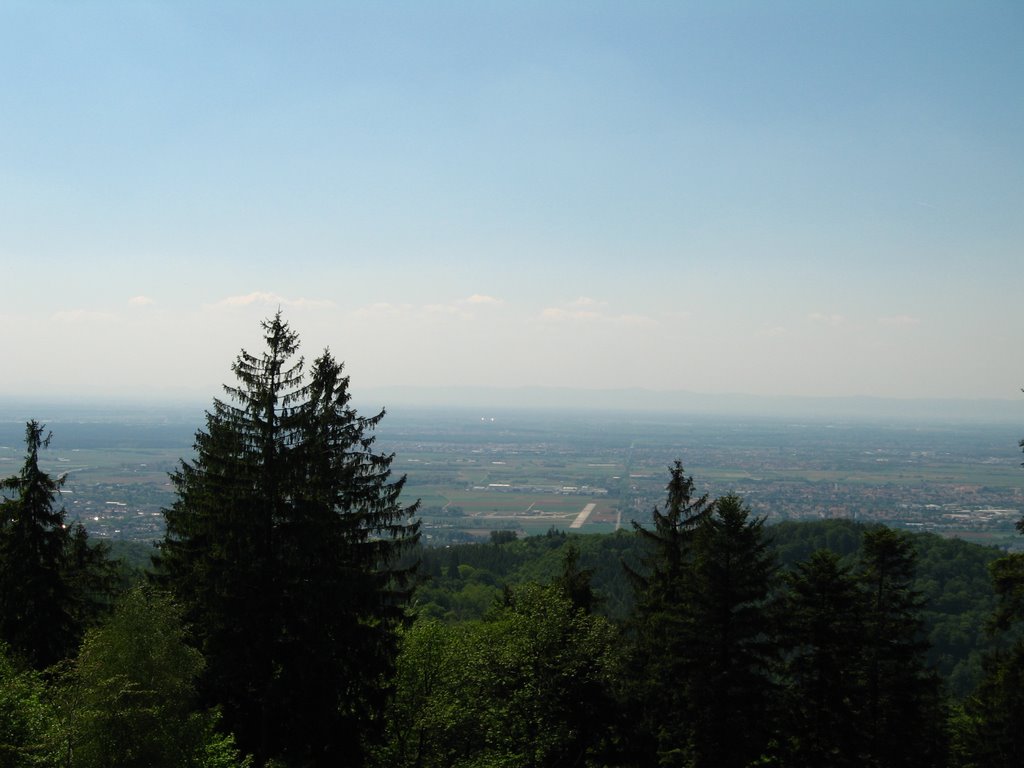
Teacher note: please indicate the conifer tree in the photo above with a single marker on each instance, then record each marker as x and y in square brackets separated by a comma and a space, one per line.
[53, 582]
[704, 640]
[34, 598]
[995, 733]
[575, 582]
[824, 635]
[734, 651]
[904, 712]
[996, 709]
[657, 687]
[283, 543]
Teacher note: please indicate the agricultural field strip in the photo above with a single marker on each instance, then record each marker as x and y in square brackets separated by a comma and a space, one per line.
[812, 472]
[581, 518]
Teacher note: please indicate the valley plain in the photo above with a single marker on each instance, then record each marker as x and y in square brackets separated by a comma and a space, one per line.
[476, 470]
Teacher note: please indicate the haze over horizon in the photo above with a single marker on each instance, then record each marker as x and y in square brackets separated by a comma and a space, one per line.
[787, 199]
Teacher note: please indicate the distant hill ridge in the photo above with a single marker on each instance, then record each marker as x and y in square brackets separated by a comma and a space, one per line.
[637, 399]
[180, 407]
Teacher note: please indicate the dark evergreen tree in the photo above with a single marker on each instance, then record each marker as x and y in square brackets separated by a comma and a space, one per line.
[995, 711]
[657, 687]
[35, 600]
[345, 533]
[575, 582]
[904, 713]
[282, 544]
[93, 576]
[734, 651]
[704, 639]
[824, 635]
[52, 581]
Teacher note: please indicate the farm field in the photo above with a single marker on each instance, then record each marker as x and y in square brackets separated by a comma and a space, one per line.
[530, 471]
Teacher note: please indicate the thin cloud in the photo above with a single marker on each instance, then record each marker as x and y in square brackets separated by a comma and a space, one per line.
[445, 309]
[822, 319]
[634, 320]
[586, 301]
[460, 308]
[270, 299]
[384, 308]
[775, 332]
[576, 312]
[141, 301]
[78, 316]
[558, 313]
[899, 321]
[481, 299]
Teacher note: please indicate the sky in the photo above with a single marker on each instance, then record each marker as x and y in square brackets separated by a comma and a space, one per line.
[773, 198]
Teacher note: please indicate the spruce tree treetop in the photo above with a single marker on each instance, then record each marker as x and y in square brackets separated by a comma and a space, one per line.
[670, 540]
[284, 545]
[52, 581]
[903, 699]
[34, 599]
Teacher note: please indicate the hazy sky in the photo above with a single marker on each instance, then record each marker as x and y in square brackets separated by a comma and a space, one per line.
[808, 198]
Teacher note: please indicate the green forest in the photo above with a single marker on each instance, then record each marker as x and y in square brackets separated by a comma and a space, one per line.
[291, 617]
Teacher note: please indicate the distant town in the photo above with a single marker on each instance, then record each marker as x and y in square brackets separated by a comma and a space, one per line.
[529, 471]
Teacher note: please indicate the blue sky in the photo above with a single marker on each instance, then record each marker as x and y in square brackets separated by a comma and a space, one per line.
[774, 198]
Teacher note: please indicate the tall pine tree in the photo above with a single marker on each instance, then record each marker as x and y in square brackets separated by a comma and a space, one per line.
[824, 635]
[904, 713]
[53, 581]
[701, 685]
[657, 691]
[283, 544]
[35, 600]
[735, 649]
[995, 711]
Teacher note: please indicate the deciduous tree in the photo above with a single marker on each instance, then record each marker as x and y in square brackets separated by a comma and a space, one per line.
[130, 700]
[528, 687]
[26, 717]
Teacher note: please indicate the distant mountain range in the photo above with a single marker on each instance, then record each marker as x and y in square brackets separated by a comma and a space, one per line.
[560, 399]
[872, 408]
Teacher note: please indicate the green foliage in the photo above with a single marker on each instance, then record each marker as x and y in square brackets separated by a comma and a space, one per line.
[733, 646]
[904, 711]
[993, 732]
[700, 684]
[35, 599]
[830, 604]
[824, 636]
[952, 577]
[576, 583]
[527, 686]
[53, 581]
[129, 698]
[26, 717]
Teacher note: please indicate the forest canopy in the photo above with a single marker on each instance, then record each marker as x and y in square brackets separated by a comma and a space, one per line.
[291, 617]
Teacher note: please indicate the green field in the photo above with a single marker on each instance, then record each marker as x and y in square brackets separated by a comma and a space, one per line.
[535, 471]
